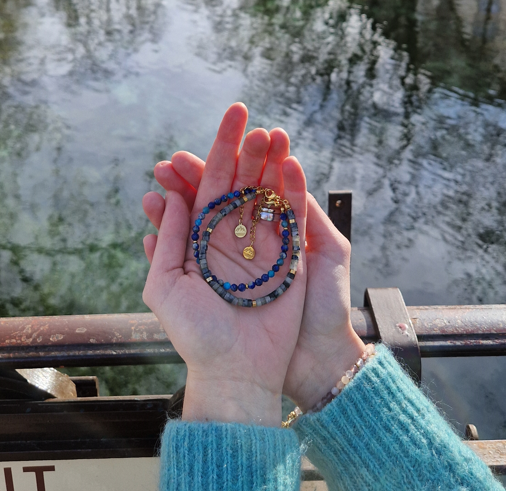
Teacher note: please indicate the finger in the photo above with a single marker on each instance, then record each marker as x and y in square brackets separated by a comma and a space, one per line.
[279, 150]
[172, 239]
[170, 180]
[295, 192]
[221, 162]
[149, 246]
[153, 205]
[321, 234]
[251, 159]
[189, 167]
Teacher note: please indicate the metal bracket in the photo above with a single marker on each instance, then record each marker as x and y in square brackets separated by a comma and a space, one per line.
[394, 327]
[340, 211]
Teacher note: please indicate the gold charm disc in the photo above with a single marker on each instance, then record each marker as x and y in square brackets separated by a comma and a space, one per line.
[240, 231]
[249, 252]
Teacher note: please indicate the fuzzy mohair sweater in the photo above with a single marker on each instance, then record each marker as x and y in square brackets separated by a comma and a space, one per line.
[380, 433]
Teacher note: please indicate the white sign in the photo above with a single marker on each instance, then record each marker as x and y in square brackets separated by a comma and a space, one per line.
[132, 474]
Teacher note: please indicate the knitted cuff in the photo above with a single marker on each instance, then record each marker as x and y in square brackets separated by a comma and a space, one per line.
[382, 433]
[228, 456]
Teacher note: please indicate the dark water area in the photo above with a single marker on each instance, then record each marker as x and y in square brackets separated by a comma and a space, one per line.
[402, 102]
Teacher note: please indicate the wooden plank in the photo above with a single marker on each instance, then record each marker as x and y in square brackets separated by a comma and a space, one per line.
[340, 211]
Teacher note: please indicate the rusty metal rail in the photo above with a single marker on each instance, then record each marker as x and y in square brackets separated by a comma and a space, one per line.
[132, 339]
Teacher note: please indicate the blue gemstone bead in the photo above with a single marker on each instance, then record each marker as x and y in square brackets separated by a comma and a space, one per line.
[218, 201]
[201, 216]
[286, 241]
[196, 229]
[285, 233]
[205, 210]
[275, 268]
[196, 254]
[258, 282]
[195, 236]
[241, 287]
[284, 248]
[280, 262]
[230, 195]
[198, 222]
[195, 246]
[283, 216]
[237, 194]
[271, 273]
[282, 255]
[214, 277]
[233, 287]
[224, 198]
[198, 261]
[251, 285]
[211, 205]
[227, 285]
[265, 278]
[284, 224]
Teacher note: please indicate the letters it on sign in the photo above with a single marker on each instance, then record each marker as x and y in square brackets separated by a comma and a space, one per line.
[39, 476]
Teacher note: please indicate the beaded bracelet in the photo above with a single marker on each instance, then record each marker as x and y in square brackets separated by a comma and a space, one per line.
[366, 356]
[289, 226]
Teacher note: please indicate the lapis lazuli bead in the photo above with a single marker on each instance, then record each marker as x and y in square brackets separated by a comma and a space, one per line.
[283, 216]
[284, 248]
[286, 240]
[205, 210]
[224, 198]
[196, 229]
[280, 262]
[201, 216]
[284, 224]
[233, 287]
[196, 254]
[271, 273]
[195, 246]
[275, 268]
[241, 287]
[251, 285]
[226, 285]
[217, 201]
[195, 236]
[215, 277]
[265, 277]
[285, 233]
[258, 282]
[230, 195]
[198, 222]
[237, 194]
[282, 255]
[211, 205]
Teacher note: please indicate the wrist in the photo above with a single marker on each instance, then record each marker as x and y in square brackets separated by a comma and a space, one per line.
[230, 401]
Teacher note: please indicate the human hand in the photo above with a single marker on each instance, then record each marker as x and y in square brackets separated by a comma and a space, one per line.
[327, 344]
[237, 357]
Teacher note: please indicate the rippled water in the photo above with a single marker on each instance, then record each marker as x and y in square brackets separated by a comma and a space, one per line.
[402, 102]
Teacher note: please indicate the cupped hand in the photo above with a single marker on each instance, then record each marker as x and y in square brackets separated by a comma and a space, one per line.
[237, 357]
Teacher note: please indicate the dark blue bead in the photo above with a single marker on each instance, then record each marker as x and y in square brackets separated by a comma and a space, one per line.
[224, 198]
[215, 278]
[241, 287]
[285, 233]
[195, 246]
[284, 248]
[195, 236]
[211, 205]
[201, 216]
[246, 190]
[286, 241]
[265, 278]
[218, 201]
[283, 216]
[233, 287]
[275, 268]
[258, 282]
[251, 285]
[283, 255]
[196, 229]
[237, 194]
[196, 254]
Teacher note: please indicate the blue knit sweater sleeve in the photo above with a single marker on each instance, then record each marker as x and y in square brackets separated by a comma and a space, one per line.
[228, 456]
[382, 433]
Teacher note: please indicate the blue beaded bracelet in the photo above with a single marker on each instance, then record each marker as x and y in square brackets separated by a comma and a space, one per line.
[289, 226]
